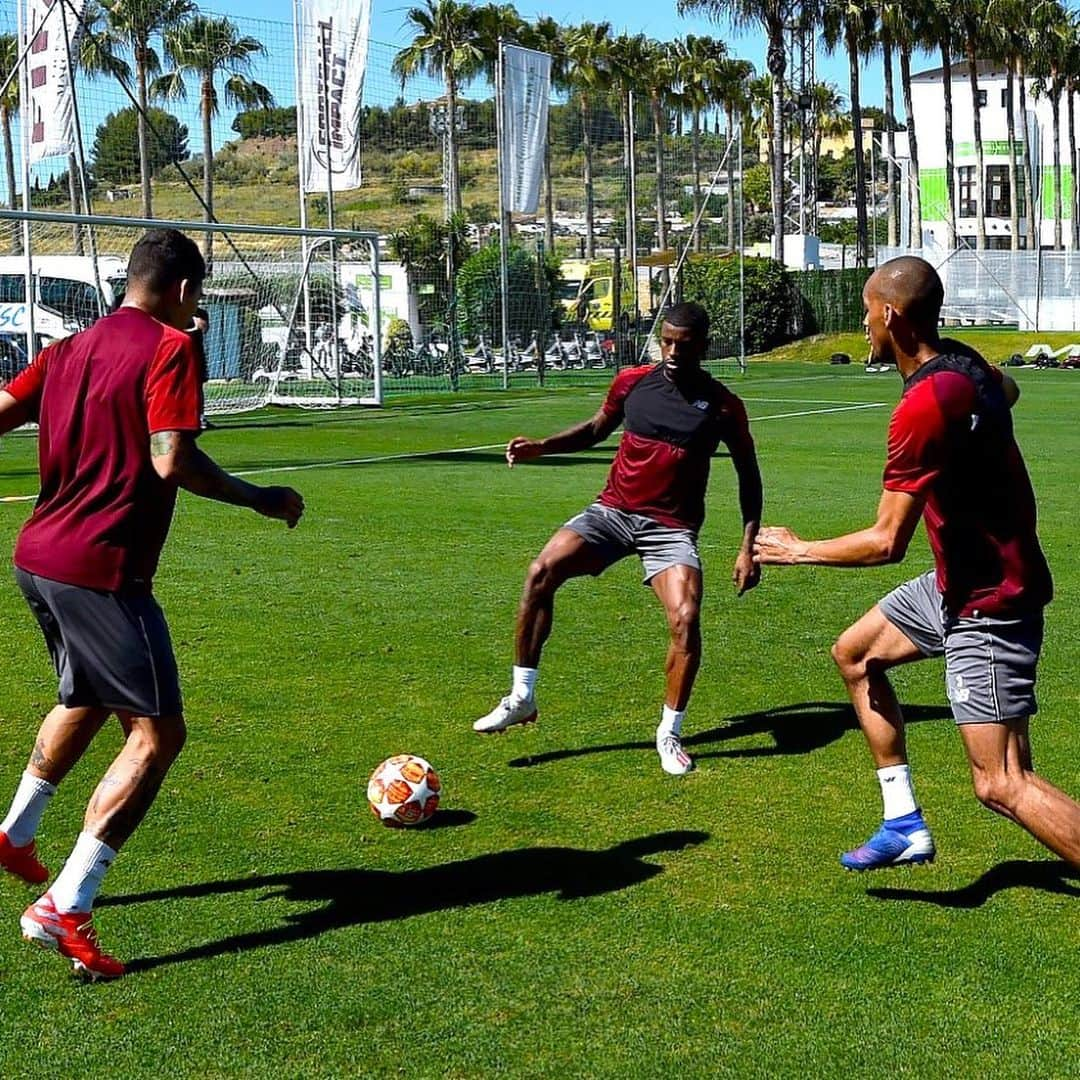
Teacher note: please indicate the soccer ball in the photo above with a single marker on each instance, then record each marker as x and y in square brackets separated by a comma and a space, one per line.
[404, 790]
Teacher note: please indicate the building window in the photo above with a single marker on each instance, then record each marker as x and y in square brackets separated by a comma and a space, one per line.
[966, 176]
[1005, 98]
[997, 191]
[980, 97]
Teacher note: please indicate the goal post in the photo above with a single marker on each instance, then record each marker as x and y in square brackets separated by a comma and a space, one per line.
[294, 312]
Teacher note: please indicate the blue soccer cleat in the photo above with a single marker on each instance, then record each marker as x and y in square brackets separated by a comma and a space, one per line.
[901, 841]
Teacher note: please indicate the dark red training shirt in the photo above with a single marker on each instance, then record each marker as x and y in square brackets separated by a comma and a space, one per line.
[661, 468]
[103, 512]
[951, 442]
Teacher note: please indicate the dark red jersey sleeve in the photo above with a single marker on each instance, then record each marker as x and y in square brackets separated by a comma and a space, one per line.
[174, 386]
[621, 386]
[736, 432]
[27, 386]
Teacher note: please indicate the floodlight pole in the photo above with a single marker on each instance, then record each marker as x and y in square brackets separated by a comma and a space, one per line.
[742, 274]
[301, 153]
[24, 93]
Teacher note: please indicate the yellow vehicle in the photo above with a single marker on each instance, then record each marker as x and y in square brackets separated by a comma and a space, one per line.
[586, 292]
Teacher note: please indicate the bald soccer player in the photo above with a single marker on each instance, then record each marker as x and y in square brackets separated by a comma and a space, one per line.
[952, 460]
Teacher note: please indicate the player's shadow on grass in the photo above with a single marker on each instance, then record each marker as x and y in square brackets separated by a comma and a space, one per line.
[795, 729]
[352, 897]
[1052, 877]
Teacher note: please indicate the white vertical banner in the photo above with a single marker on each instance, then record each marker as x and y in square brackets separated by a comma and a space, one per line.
[332, 52]
[526, 89]
[51, 107]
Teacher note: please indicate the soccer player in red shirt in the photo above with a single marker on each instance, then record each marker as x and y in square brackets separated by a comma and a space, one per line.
[674, 415]
[118, 409]
[953, 461]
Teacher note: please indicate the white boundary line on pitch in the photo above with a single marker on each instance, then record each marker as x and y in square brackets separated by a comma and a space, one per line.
[415, 454]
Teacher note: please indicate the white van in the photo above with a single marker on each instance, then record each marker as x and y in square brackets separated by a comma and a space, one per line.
[66, 285]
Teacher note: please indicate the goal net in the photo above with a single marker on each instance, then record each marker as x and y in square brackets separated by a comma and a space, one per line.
[294, 313]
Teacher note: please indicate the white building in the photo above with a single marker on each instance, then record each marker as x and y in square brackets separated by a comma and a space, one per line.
[929, 121]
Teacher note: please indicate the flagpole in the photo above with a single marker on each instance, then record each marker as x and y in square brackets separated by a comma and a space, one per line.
[504, 216]
[301, 155]
[25, 126]
[335, 348]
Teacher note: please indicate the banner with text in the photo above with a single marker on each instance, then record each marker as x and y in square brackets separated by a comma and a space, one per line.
[51, 111]
[526, 89]
[332, 56]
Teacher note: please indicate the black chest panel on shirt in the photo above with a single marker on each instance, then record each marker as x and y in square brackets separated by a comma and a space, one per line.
[689, 417]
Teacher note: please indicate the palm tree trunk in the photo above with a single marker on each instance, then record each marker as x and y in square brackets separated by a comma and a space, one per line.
[140, 50]
[976, 114]
[453, 188]
[950, 147]
[1074, 225]
[9, 169]
[914, 192]
[586, 142]
[624, 104]
[76, 202]
[549, 201]
[1034, 240]
[777, 62]
[862, 240]
[892, 214]
[208, 171]
[1055, 111]
[661, 207]
[732, 165]
[1010, 134]
[695, 164]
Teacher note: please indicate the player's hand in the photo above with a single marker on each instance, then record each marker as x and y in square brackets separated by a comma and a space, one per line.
[519, 448]
[282, 504]
[778, 546]
[747, 573]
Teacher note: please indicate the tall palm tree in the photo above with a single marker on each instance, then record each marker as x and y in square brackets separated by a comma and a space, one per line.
[588, 48]
[546, 35]
[1051, 21]
[9, 108]
[697, 60]
[850, 22]
[134, 23]
[887, 48]
[938, 30]
[626, 59]
[733, 95]
[446, 45]
[658, 77]
[972, 24]
[205, 47]
[773, 16]
[906, 33]
[96, 57]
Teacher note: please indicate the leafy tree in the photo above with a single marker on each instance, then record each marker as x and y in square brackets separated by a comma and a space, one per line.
[9, 108]
[116, 145]
[265, 123]
[479, 295]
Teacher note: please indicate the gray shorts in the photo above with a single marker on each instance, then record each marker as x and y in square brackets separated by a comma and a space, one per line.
[616, 534]
[990, 663]
[111, 650]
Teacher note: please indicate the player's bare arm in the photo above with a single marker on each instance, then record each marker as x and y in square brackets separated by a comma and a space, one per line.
[13, 413]
[580, 437]
[747, 573]
[886, 541]
[177, 458]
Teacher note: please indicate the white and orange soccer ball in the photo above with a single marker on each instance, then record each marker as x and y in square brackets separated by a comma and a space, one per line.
[404, 790]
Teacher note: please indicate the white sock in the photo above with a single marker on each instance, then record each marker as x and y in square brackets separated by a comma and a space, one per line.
[524, 682]
[31, 797]
[670, 722]
[897, 793]
[76, 888]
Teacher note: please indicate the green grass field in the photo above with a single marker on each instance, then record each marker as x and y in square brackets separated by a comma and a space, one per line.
[575, 912]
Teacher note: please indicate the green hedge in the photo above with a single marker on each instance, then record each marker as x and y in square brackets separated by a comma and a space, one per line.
[778, 305]
[479, 307]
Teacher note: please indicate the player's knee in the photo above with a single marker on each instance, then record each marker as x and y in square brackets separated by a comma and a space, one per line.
[160, 739]
[849, 658]
[997, 789]
[541, 580]
[685, 622]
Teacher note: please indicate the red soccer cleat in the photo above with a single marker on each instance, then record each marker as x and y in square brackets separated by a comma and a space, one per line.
[72, 935]
[22, 861]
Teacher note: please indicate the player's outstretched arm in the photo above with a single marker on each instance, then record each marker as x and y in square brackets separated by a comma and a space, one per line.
[886, 541]
[580, 437]
[177, 459]
[747, 572]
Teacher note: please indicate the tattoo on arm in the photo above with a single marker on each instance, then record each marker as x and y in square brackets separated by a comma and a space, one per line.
[162, 443]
